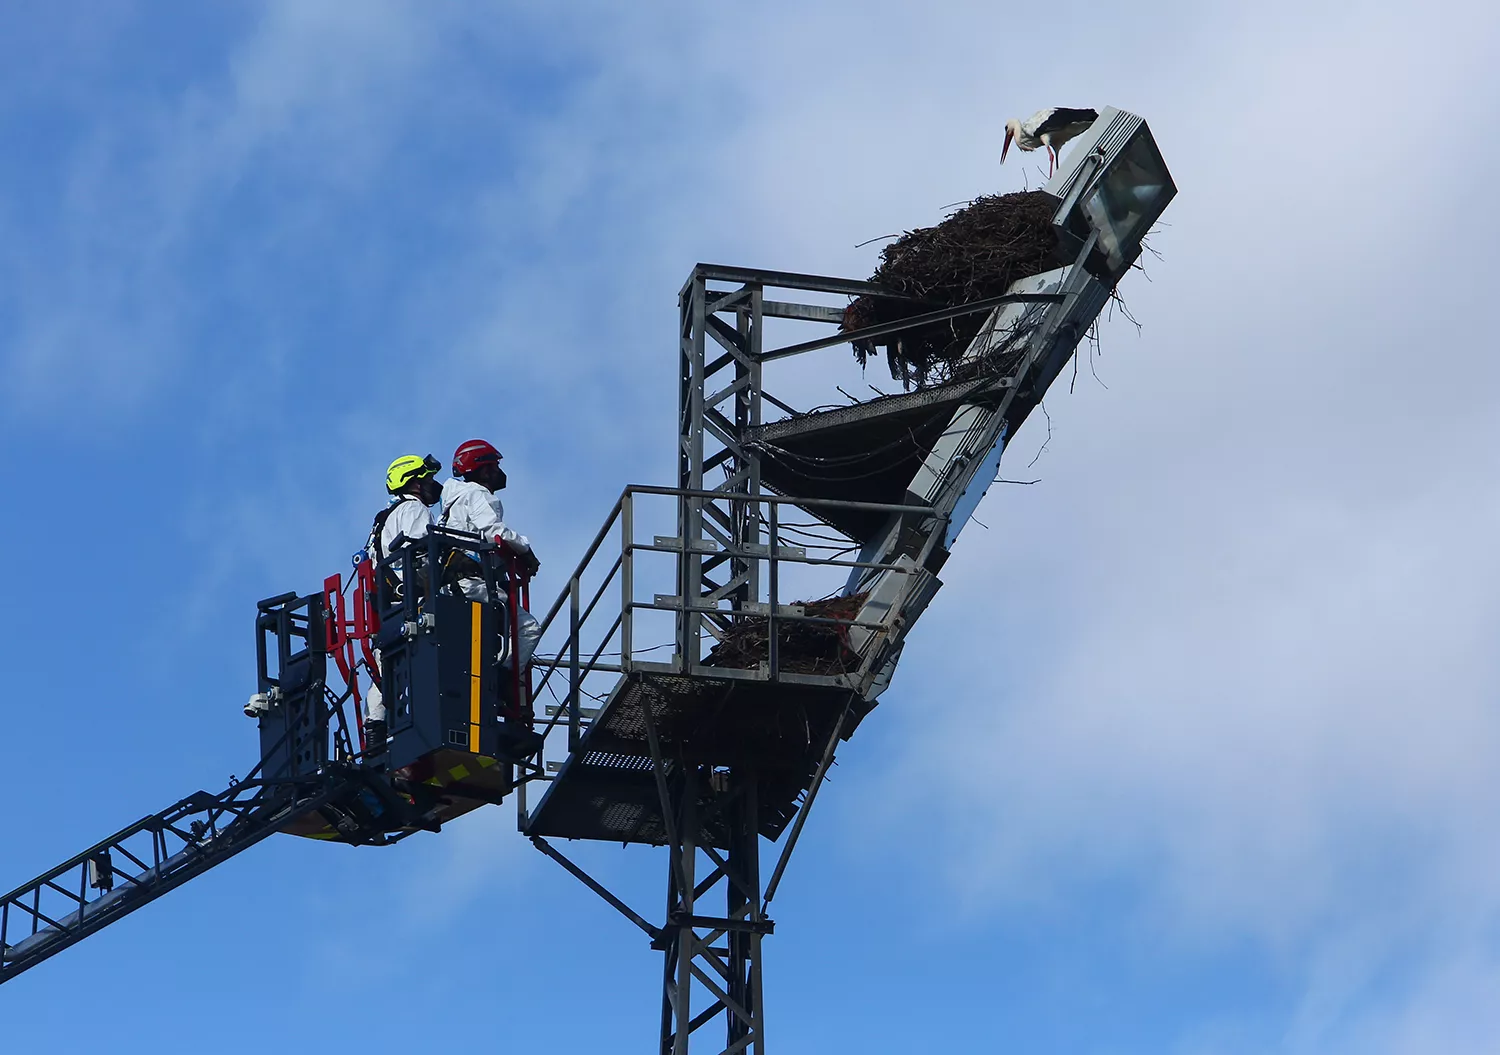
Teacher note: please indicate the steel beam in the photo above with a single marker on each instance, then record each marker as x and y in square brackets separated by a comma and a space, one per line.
[721, 981]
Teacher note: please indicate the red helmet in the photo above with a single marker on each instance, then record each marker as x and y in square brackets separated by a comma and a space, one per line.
[471, 454]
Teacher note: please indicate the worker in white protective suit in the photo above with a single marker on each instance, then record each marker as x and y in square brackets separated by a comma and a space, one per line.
[413, 487]
[471, 503]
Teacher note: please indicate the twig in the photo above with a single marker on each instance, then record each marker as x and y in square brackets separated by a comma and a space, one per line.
[1043, 447]
[1092, 348]
[1116, 300]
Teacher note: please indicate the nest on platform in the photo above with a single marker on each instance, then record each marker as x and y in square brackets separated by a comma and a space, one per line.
[803, 647]
[975, 253]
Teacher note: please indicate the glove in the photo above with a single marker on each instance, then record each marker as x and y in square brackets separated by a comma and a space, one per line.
[528, 560]
[529, 563]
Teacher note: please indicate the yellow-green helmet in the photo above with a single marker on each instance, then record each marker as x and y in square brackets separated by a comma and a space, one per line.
[407, 468]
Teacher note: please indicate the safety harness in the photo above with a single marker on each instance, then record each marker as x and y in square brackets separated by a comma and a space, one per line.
[388, 576]
[458, 566]
[378, 527]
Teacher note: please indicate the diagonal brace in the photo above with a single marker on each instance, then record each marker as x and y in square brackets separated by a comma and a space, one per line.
[593, 884]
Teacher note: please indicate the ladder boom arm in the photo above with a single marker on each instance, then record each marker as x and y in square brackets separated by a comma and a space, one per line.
[140, 863]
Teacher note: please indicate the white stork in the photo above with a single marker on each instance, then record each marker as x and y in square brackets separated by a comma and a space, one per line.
[1049, 128]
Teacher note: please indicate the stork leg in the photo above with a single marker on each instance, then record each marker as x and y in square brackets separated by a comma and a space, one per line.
[1051, 160]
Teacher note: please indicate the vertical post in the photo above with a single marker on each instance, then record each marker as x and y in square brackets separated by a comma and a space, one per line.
[627, 579]
[753, 341]
[573, 666]
[513, 606]
[682, 949]
[773, 649]
[743, 904]
[747, 411]
[694, 321]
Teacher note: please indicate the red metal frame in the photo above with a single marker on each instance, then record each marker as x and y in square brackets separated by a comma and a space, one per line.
[529, 714]
[343, 631]
[366, 613]
[518, 596]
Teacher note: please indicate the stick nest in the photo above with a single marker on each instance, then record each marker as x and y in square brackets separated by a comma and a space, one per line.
[973, 254]
[804, 648]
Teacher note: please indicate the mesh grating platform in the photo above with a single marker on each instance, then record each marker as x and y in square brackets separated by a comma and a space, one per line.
[607, 789]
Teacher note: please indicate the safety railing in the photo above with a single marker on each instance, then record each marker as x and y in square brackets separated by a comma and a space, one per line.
[591, 635]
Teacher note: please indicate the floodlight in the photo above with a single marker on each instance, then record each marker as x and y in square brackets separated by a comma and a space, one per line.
[1113, 190]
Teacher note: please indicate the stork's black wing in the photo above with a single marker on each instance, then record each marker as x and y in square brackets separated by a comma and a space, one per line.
[1063, 116]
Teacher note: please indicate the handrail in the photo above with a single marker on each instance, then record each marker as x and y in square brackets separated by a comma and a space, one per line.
[586, 647]
[772, 553]
[598, 595]
[774, 499]
[588, 556]
[915, 321]
[684, 492]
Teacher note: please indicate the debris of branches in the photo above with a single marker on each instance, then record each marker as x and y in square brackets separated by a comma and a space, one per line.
[973, 254]
[802, 647]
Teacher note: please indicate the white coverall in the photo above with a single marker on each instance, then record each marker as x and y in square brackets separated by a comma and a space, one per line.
[472, 507]
[407, 517]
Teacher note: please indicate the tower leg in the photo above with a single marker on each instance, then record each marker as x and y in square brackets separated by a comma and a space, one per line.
[718, 958]
[744, 899]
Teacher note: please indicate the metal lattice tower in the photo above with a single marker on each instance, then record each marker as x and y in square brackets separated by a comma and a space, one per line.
[688, 754]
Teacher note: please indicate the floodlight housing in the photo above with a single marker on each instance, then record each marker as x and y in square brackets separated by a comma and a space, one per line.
[1113, 190]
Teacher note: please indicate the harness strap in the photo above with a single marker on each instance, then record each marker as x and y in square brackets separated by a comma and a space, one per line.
[378, 528]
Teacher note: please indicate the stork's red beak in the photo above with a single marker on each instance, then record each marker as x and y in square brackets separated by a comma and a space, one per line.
[1009, 135]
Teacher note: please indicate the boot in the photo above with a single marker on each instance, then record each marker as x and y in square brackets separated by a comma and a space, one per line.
[375, 737]
[519, 743]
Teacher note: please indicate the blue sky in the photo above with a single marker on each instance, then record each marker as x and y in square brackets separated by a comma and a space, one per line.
[1195, 752]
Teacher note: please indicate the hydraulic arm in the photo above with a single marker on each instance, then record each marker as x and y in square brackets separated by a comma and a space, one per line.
[118, 875]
